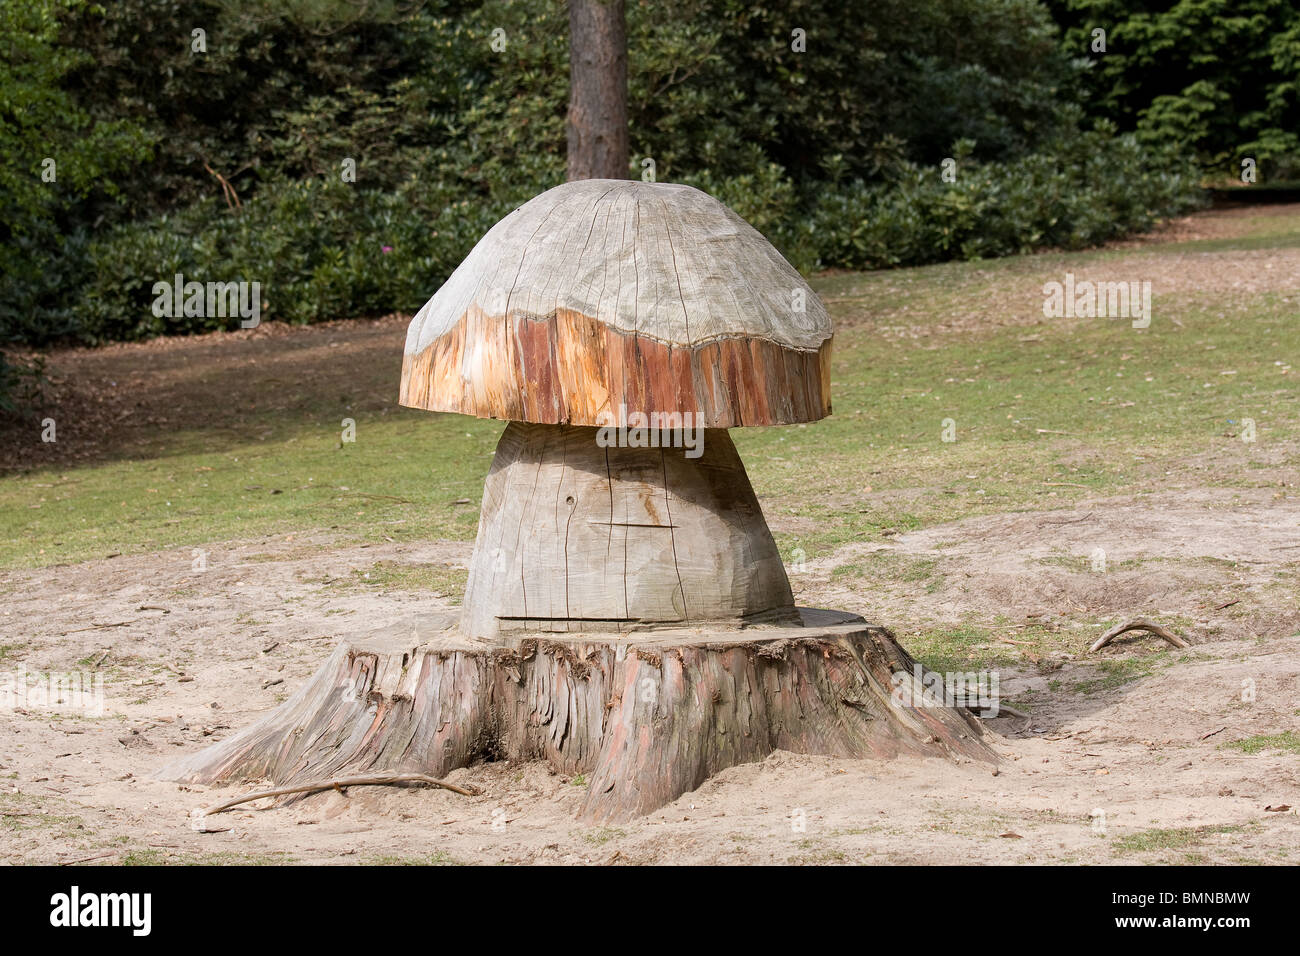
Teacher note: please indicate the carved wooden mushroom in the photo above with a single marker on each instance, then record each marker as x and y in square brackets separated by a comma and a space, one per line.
[627, 614]
[614, 303]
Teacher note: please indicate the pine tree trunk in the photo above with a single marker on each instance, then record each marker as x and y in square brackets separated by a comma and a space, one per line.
[597, 124]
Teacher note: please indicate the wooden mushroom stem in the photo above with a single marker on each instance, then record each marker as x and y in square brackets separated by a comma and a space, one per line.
[627, 618]
[578, 535]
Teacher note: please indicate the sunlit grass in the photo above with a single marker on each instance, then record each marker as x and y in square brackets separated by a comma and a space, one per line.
[400, 479]
[1044, 415]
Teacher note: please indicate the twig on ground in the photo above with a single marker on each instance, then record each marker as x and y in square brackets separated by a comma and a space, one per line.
[87, 859]
[1070, 520]
[369, 781]
[1011, 711]
[1138, 624]
[96, 627]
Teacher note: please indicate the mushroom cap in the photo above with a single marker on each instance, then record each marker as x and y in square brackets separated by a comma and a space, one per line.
[601, 298]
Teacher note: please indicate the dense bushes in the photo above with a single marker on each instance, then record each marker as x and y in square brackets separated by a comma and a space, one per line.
[319, 249]
[1082, 191]
[833, 152]
[1220, 78]
[322, 249]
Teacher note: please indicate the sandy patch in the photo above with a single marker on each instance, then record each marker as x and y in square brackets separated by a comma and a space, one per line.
[236, 639]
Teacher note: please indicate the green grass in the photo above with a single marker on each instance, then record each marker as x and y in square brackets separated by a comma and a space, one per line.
[20, 812]
[1082, 564]
[816, 853]
[961, 647]
[1287, 741]
[876, 566]
[438, 858]
[148, 856]
[398, 481]
[1178, 839]
[443, 580]
[602, 835]
[1110, 674]
[1124, 434]
[1134, 407]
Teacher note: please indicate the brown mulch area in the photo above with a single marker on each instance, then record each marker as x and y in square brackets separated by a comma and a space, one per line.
[117, 400]
[1226, 222]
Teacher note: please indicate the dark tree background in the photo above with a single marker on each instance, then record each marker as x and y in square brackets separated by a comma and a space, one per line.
[825, 127]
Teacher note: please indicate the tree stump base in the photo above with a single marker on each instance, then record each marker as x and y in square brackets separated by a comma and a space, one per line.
[646, 716]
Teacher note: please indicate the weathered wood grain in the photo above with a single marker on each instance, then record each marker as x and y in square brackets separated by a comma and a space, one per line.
[573, 536]
[600, 294]
[645, 720]
[569, 368]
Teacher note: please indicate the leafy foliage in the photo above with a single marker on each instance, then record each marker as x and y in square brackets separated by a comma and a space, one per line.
[833, 151]
[1218, 79]
[57, 157]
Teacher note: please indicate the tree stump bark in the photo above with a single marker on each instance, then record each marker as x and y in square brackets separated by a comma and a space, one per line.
[646, 720]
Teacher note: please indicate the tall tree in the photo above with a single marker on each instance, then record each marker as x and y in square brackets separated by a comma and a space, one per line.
[597, 126]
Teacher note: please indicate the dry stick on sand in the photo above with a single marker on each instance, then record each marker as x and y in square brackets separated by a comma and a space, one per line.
[341, 782]
[87, 859]
[1138, 624]
[1011, 712]
[97, 627]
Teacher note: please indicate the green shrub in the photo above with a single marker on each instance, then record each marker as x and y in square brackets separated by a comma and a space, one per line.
[1218, 80]
[318, 247]
[834, 153]
[1084, 190]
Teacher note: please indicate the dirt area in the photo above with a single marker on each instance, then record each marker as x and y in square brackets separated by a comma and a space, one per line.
[1223, 222]
[113, 402]
[1174, 556]
[1127, 762]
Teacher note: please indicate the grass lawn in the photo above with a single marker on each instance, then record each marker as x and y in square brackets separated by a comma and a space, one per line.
[1044, 411]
